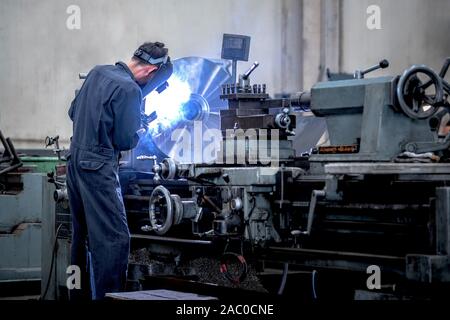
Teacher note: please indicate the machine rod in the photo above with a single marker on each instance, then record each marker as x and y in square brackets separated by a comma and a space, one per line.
[166, 239]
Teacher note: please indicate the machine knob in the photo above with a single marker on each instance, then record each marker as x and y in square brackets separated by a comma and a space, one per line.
[60, 195]
[236, 204]
[283, 120]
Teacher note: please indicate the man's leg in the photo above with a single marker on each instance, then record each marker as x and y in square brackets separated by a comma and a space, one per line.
[79, 236]
[109, 237]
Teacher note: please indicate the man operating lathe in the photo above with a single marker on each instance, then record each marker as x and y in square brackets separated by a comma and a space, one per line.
[106, 115]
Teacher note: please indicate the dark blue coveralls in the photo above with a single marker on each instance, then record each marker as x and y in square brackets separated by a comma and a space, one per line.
[106, 115]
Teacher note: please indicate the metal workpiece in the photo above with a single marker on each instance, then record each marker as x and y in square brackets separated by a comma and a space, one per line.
[193, 96]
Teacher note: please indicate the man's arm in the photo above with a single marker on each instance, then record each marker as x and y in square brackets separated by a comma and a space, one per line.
[126, 106]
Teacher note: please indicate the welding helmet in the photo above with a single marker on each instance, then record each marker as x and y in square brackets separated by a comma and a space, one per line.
[159, 79]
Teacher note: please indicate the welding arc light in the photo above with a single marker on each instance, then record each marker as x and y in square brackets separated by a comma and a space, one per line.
[168, 104]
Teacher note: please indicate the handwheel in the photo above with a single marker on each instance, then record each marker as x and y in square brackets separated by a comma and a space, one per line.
[412, 94]
[162, 221]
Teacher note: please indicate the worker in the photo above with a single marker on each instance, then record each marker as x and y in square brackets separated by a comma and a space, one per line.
[106, 115]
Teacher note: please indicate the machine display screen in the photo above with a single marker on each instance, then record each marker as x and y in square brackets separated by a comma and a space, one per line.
[235, 47]
[234, 43]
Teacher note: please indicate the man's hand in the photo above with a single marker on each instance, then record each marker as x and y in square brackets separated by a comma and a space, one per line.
[142, 132]
[147, 119]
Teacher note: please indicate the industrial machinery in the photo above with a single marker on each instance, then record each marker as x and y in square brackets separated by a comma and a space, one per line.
[221, 169]
[25, 197]
[376, 195]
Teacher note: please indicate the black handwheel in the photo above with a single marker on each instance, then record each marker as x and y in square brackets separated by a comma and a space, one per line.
[413, 99]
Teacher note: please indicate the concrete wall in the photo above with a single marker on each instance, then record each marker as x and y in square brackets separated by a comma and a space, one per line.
[40, 58]
[311, 42]
[413, 32]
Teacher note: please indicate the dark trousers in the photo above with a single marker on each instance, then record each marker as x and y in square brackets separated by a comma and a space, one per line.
[100, 235]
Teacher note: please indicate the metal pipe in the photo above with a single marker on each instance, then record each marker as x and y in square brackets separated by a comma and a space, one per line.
[15, 157]
[302, 99]
[11, 168]
[167, 239]
[337, 254]
[234, 73]
[7, 151]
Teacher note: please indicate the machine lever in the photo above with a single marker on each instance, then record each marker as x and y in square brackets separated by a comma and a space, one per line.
[246, 75]
[359, 74]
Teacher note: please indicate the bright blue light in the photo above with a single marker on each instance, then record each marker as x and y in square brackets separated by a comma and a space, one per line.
[168, 104]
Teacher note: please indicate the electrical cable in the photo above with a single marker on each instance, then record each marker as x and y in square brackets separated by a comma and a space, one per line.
[314, 278]
[55, 246]
[283, 279]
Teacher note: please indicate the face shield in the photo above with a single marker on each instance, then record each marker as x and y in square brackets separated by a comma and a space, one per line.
[159, 83]
[159, 80]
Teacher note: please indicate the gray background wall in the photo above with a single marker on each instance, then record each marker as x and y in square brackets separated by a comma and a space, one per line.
[294, 40]
[40, 58]
[413, 31]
